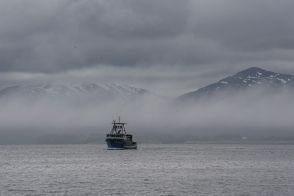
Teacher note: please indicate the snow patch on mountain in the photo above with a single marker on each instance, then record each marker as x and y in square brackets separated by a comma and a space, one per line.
[246, 79]
[33, 92]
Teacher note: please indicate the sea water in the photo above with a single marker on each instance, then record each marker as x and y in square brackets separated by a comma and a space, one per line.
[153, 169]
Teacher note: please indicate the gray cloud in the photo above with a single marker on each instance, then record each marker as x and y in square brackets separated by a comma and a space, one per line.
[248, 25]
[251, 114]
[58, 35]
[169, 47]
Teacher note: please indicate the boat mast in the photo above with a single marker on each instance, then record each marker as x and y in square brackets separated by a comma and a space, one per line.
[118, 127]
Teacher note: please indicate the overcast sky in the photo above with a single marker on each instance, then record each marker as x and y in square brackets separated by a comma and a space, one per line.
[171, 39]
[169, 47]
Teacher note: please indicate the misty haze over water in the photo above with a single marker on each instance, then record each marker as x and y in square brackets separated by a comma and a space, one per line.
[68, 68]
[50, 110]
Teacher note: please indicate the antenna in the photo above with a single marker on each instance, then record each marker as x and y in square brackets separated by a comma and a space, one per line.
[119, 119]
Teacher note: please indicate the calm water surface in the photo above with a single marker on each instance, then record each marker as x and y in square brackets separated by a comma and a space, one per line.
[174, 169]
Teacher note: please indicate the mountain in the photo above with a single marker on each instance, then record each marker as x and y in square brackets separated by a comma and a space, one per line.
[251, 78]
[84, 91]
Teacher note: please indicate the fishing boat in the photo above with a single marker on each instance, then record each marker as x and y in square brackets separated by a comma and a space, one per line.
[118, 139]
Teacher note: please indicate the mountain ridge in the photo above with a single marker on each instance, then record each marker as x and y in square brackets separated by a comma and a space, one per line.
[36, 91]
[249, 78]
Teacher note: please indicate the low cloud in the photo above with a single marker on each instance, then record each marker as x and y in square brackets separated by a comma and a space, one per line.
[254, 114]
[169, 47]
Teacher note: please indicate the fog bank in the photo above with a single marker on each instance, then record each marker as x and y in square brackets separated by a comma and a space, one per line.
[252, 114]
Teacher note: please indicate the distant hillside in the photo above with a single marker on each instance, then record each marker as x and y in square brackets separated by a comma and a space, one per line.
[250, 78]
[85, 91]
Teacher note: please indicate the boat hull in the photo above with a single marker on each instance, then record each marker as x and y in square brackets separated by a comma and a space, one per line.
[119, 144]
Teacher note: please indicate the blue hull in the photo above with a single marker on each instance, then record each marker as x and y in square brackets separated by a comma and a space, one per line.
[119, 144]
[115, 143]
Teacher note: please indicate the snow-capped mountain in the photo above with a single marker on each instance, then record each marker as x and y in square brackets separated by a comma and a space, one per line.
[36, 91]
[250, 78]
